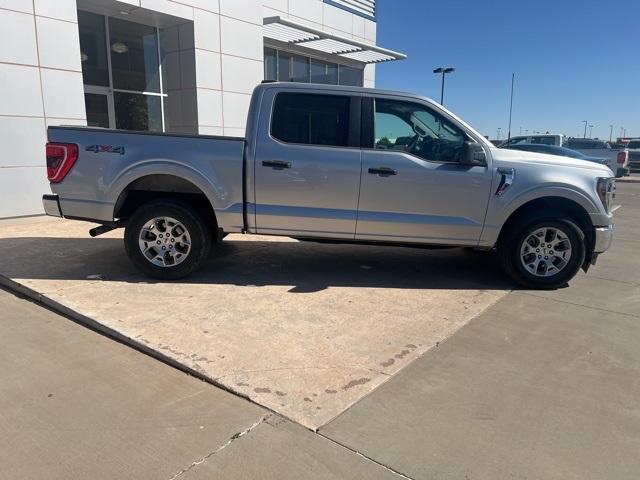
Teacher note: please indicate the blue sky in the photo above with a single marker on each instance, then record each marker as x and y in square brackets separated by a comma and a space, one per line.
[574, 60]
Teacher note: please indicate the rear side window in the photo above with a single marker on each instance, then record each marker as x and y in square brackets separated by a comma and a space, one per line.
[311, 119]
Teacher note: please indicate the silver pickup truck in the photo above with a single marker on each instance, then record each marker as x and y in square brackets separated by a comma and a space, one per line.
[339, 164]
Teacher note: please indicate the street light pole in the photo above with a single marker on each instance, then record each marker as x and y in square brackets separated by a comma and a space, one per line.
[443, 71]
[610, 133]
[590, 131]
[585, 127]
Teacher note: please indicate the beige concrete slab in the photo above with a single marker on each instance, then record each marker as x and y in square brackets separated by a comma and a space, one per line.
[302, 328]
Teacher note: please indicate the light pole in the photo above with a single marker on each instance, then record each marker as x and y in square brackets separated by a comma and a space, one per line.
[585, 127]
[610, 133]
[590, 131]
[443, 71]
[499, 133]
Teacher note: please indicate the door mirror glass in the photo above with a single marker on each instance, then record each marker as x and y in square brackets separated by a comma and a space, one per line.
[473, 155]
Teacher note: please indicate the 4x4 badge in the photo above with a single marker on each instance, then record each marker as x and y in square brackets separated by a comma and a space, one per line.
[105, 149]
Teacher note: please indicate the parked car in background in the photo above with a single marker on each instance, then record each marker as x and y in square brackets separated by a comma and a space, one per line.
[618, 158]
[634, 155]
[338, 164]
[541, 139]
[557, 151]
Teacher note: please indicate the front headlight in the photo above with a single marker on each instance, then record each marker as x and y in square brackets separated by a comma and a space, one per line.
[606, 189]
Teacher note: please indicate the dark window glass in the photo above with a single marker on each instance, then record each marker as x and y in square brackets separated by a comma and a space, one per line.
[97, 110]
[351, 76]
[270, 64]
[543, 140]
[518, 141]
[323, 72]
[135, 111]
[93, 49]
[134, 56]
[300, 69]
[284, 67]
[587, 144]
[418, 130]
[311, 119]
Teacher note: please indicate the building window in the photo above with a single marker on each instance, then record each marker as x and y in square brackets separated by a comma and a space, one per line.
[122, 73]
[288, 67]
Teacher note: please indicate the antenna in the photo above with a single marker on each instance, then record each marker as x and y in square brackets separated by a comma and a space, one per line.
[513, 76]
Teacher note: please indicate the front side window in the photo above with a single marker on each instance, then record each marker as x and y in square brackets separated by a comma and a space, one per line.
[311, 119]
[418, 130]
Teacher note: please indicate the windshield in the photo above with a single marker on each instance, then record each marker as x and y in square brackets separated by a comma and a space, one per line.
[634, 144]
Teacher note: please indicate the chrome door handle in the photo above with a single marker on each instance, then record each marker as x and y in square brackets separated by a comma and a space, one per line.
[276, 164]
[383, 171]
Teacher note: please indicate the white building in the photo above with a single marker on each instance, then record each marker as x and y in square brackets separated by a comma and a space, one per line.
[183, 66]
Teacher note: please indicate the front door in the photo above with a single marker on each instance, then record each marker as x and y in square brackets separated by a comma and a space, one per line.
[307, 167]
[414, 189]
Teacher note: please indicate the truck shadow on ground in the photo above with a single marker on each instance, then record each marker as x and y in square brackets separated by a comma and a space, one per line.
[306, 266]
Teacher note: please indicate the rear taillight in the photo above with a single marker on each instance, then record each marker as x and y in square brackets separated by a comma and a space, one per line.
[60, 159]
[622, 157]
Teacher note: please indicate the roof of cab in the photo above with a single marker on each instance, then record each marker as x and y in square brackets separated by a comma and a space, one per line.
[337, 88]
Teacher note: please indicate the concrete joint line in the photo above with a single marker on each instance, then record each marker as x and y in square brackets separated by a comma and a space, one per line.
[362, 455]
[232, 439]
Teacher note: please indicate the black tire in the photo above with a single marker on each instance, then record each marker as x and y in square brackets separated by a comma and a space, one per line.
[509, 251]
[189, 259]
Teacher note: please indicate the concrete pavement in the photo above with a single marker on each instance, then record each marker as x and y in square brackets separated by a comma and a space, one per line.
[76, 405]
[541, 385]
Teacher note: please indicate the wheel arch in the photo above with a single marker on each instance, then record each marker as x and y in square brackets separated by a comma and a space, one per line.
[154, 186]
[559, 206]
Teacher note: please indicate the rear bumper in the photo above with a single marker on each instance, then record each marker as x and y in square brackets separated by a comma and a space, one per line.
[51, 205]
[602, 238]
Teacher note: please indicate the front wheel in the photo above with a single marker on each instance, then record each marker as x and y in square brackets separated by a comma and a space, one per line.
[167, 239]
[543, 253]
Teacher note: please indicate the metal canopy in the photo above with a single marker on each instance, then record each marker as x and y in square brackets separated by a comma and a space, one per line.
[294, 33]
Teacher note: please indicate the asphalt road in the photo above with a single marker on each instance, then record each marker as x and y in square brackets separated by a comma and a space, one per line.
[540, 385]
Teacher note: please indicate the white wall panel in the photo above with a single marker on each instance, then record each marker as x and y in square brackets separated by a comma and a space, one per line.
[18, 42]
[58, 44]
[60, 9]
[20, 91]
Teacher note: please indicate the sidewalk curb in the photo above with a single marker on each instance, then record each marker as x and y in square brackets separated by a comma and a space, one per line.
[43, 300]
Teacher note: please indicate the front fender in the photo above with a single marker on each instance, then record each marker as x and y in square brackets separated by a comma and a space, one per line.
[501, 208]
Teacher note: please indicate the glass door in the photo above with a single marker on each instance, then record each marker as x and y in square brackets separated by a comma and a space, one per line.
[99, 107]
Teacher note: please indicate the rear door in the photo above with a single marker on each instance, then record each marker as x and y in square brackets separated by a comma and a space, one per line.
[307, 164]
[413, 188]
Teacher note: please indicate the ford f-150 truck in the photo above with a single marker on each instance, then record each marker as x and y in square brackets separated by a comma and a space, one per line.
[338, 164]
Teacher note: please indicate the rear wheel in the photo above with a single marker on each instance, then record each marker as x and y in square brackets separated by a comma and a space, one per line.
[167, 239]
[543, 253]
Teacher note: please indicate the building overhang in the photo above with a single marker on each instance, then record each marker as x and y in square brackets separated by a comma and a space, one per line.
[293, 33]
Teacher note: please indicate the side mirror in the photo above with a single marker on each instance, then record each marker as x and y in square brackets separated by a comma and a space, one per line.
[473, 155]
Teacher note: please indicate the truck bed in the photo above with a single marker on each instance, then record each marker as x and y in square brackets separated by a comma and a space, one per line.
[110, 162]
